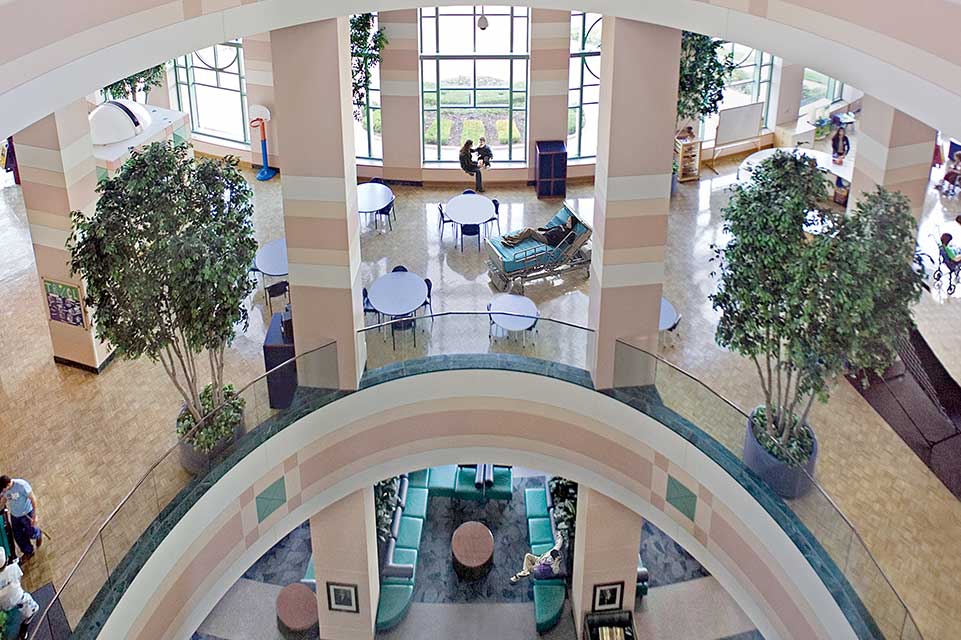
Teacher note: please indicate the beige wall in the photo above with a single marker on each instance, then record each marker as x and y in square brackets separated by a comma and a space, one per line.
[343, 538]
[605, 551]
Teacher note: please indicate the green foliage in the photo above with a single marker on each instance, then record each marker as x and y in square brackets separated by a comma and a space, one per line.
[3, 619]
[471, 129]
[430, 131]
[130, 86]
[366, 46]
[385, 501]
[702, 76]
[807, 307]
[375, 120]
[165, 259]
[501, 126]
[215, 427]
[564, 497]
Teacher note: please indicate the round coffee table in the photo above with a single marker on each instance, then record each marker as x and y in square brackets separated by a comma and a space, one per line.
[472, 550]
[297, 616]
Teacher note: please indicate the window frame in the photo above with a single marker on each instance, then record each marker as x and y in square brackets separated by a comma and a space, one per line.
[368, 109]
[184, 76]
[436, 59]
[580, 57]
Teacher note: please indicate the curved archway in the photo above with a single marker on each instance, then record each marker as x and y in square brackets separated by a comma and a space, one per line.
[913, 69]
[460, 416]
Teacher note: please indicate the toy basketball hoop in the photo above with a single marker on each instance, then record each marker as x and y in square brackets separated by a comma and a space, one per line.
[260, 117]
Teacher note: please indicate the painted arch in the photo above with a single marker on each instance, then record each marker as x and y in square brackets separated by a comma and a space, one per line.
[461, 416]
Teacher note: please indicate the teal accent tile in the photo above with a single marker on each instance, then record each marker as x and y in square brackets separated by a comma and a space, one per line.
[682, 498]
[270, 499]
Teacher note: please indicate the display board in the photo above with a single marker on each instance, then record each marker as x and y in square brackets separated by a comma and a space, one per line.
[63, 302]
[739, 124]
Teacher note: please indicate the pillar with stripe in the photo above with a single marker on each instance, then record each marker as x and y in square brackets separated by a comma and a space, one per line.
[400, 95]
[638, 104]
[319, 184]
[549, 73]
[58, 175]
[894, 151]
[259, 79]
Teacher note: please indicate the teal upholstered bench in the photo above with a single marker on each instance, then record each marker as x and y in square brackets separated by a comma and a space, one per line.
[419, 478]
[408, 535]
[415, 504]
[539, 531]
[502, 488]
[402, 556]
[535, 501]
[394, 603]
[549, 596]
[464, 487]
[442, 479]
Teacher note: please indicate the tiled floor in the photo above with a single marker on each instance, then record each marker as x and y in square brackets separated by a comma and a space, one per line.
[82, 439]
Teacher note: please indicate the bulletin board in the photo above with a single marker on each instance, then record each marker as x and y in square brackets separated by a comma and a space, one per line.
[64, 303]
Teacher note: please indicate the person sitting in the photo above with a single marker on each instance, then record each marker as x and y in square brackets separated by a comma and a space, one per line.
[953, 172]
[470, 167]
[484, 153]
[953, 254]
[542, 567]
[840, 145]
[12, 595]
[552, 236]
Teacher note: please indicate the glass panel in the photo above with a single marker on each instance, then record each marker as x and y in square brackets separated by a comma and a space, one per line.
[577, 30]
[815, 87]
[456, 73]
[428, 34]
[497, 37]
[428, 74]
[589, 130]
[494, 73]
[593, 40]
[456, 34]
[449, 137]
[219, 113]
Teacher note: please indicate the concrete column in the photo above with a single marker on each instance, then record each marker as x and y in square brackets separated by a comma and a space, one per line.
[894, 151]
[58, 175]
[787, 81]
[258, 67]
[606, 543]
[548, 82]
[344, 541]
[319, 183]
[400, 96]
[632, 186]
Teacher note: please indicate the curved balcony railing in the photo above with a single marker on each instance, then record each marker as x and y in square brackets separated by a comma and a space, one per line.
[471, 340]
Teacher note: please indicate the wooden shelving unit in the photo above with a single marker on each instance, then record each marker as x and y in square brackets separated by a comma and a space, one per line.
[687, 154]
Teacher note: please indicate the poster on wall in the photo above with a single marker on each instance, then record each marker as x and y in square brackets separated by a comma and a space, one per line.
[63, 300]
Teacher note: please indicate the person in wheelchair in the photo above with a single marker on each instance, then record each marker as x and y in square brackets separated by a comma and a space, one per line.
[552, 236]
[951, 253]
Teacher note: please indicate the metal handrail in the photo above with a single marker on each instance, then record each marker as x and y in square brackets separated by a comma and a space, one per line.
[656, 358]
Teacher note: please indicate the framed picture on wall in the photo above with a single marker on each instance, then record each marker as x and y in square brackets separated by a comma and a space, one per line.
[63, 303]
[608, 597]
[342, 597]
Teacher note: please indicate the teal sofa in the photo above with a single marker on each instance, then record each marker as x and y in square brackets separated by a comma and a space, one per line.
[549, 595]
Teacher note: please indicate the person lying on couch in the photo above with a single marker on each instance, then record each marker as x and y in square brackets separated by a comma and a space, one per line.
[552, 236]
[547, 565]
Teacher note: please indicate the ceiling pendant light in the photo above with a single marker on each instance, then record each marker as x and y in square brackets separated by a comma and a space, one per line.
[482, 20]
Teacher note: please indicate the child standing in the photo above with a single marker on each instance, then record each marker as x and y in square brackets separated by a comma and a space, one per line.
[12, 595]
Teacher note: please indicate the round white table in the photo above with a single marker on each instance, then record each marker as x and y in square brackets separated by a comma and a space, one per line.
[668, 315]
[397, 293]
[373, 196]
[825, 162]
[271, 258]
[469, 208]
[511, 303]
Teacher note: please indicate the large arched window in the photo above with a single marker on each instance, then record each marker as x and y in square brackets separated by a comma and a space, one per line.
[368, 141]
[585, 85]
[474, 81]
[210, 86]
[750, 82]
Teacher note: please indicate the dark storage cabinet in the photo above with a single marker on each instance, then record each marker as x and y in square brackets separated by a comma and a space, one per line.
[278, 349]
[550, 169]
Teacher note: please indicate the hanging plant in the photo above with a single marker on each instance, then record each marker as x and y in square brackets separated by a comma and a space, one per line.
[702, 77]
[366, 45]
[142, 81]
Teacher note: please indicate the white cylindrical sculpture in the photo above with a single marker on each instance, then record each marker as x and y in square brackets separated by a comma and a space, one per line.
[117, 120]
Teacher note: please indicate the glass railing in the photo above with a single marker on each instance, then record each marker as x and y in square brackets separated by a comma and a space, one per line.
[295, 387]
[460, 333]
[288, 387]
[637, 373]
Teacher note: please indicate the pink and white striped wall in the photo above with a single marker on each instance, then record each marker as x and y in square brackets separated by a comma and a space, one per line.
[459, 417]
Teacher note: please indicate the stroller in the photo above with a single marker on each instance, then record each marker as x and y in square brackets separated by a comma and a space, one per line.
[954, 271]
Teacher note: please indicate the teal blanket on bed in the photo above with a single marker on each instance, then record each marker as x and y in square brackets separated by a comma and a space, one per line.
[530, 252]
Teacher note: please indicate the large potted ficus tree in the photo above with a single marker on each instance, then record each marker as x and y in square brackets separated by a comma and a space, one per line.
[133, 85]
[804, 305]
[366, 45]
[701, 79]
[165, 260]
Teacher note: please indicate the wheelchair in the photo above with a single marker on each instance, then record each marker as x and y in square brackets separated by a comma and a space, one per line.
[954, 271]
